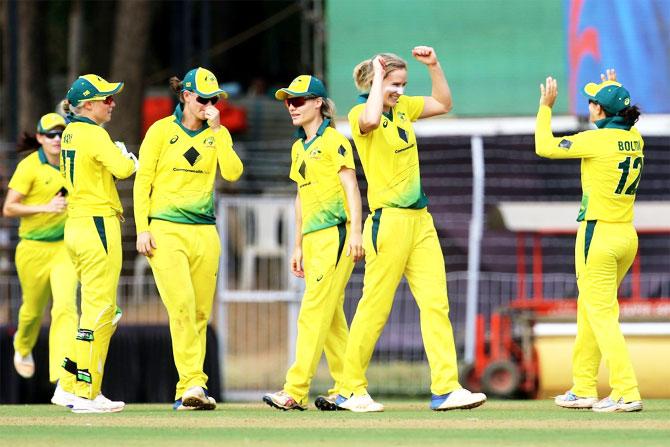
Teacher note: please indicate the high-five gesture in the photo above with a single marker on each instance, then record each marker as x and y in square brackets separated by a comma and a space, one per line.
[548, 92]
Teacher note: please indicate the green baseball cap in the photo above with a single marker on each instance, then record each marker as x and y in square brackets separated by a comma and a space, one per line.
[203, 83]
[50, 121]
[611, 95]
[303, 85]
[91, 87]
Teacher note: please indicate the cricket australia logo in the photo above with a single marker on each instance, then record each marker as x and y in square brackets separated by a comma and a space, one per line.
[209, 141]
[401, 115]
[315, 154]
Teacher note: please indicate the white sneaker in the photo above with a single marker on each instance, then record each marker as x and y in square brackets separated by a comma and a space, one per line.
[25, 366]
[607, 405]
[98, 405]
[197, 397]
[460, 399]
[359, 404]
[62, 397]
[570, 400]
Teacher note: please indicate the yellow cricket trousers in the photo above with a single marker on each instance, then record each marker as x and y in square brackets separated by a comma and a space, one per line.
[94, 244]
[44, 269]
[401, 242]
[185, 264]
[322, 324]
[604, 252]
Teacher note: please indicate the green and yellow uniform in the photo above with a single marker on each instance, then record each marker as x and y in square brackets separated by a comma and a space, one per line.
[174, 200]
[322, 324]
[399, 238]
[43, 265]
[91, 163]
[606, 244]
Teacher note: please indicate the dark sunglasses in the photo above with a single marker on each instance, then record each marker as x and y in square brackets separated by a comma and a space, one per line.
[591, 101]
[298, 101]
[52, 135]
[108, 100]
[204, 101]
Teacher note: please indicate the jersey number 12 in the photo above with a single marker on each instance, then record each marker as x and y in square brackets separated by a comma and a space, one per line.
[624, 167]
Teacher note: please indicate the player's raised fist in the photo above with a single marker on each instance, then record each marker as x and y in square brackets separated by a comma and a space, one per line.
[379, 66]
[425, 55]
[212, 117]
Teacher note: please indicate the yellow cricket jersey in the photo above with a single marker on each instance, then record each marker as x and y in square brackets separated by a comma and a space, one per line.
[175, 181]
[314, 167]
[90, 163]
[612, 160]
[390, 157]
[39, 182]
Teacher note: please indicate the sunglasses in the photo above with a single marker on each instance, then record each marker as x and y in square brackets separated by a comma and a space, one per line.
[297, 101]
[204, 101]
[108, 100]
[52, 135]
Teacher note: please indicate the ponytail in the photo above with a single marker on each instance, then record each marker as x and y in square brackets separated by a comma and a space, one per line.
[630, 114]
[328, 110]
[27, 142]
[177, 88]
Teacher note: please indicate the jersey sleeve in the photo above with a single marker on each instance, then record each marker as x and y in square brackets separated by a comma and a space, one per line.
[579, 145]
[149, 153]
[230, 164]
[415, 106]
[353, 116]
[343, 156]
[107, 154]
[22, 180]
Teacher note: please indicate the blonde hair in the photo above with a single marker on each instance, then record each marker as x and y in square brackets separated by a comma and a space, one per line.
[328, 110]
[364, 72]
[69, 108]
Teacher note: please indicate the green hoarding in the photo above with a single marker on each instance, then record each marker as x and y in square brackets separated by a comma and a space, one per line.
[494, 53]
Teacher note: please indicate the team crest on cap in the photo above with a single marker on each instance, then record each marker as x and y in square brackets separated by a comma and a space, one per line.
[86, 93]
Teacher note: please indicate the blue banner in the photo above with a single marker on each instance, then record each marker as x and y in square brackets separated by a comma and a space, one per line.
[633, 37]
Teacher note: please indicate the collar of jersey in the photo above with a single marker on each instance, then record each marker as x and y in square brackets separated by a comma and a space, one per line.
[81, 119]
[43, 158]
[612, 122]
[178, 114]
[300, 133]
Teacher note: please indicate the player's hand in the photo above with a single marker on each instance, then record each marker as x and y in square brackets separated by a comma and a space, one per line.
[212, 116]
[425, 55]
[122, 147]
[130, 156]
[57, 205]
[548, 92]
[296, 263]
[610, 75]
[355, 248]
[145, 244]
[379, 67]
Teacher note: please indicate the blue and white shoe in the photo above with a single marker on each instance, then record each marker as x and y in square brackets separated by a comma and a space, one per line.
[570, 400]
[179, 406]
[460, 399]
[608, 405]
[359, 404]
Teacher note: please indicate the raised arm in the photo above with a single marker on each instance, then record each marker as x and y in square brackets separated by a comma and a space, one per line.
[370, 118]
[439, 102]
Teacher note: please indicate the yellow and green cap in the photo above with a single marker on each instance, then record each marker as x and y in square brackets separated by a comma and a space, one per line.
[609, 94]
[203, 83]
[91, 87]
[50, 121]
[303, 85]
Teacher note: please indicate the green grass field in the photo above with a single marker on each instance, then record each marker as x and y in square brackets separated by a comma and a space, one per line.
[510, 423]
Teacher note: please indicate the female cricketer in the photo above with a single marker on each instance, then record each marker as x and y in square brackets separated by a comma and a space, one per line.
[174, 215]
[399, 235]
[328, 218]
[37, 195]
[91, 163]
[611, 167]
